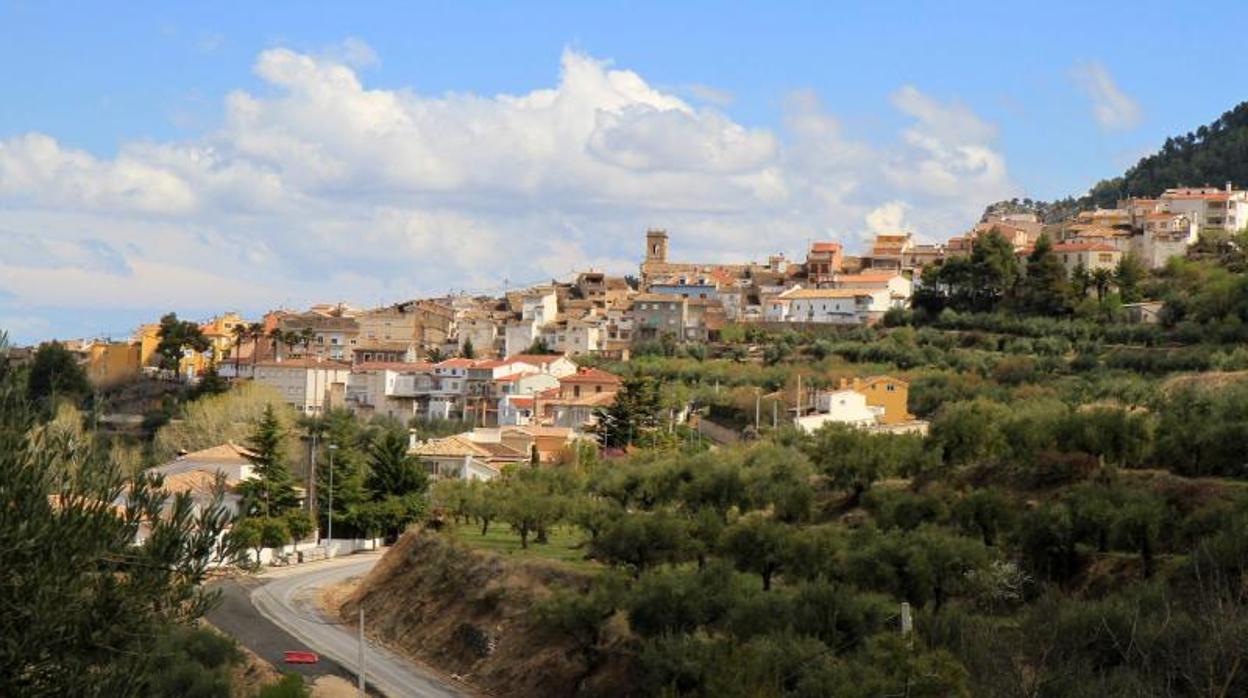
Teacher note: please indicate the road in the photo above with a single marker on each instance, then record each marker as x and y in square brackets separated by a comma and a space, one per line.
[286, 599]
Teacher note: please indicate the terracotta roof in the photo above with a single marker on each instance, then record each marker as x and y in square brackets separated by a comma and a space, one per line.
[539, 359]
[1083, 247]
[193, 481]
[533, 430]
[587, 400]
[456, 363]
[513, 377]
[825, 247]
[393, 366]
[216, 454]
[590, 375]
[866, 277]
[658, 297]
[327, 364]
[1207, 196]
[809, 293]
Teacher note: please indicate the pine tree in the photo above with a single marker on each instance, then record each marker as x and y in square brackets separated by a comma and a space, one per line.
[272, 492]
[391, 470]
[1127, 278]
[468, 351]
[1045, 290]
[635, 410]
[349, 464]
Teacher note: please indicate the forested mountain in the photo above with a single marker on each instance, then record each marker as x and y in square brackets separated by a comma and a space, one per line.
[1209, 156]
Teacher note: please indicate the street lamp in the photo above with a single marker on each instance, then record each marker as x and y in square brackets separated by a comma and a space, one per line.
[332, 448]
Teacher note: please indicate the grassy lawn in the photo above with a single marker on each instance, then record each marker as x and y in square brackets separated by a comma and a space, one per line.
[566, 546]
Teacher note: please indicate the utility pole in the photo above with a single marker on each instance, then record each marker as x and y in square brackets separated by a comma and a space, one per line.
[312, 508]
[362, 693]
[332, 448]
[774, 414]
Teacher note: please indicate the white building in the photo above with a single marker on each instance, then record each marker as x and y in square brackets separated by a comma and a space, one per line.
[843, 407]
[518, 336]
[1210, 208]
[539, 304]
[304, 383]
[832, 305]
[1091, 255]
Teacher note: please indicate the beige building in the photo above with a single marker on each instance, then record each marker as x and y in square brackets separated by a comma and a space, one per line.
[306, 384]
[1092, 255]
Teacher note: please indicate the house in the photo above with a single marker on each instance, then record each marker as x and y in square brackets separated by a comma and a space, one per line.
[556, 365]
[845, 406]
[463, 456]
[332, 336]
[196, 473]
[549, 443]
[107, 363]
[1090, 255]
[823, 260]
[880, 403]
[891, 395]
[888, 251]
[304, 383]
[219, 331]
[553, 408]
[1210, 208]
[391, 389]
[479, 328]
[897, 285]
[835, 305]
[588, 381]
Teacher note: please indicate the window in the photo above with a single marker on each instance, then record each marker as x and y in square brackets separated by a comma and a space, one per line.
[890, 388]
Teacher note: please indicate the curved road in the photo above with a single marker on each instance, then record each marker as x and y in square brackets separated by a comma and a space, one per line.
[289, 602]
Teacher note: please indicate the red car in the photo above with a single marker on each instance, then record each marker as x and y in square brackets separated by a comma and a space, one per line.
[301, 658]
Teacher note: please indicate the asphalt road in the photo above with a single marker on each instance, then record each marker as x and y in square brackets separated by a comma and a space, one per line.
[283, 610]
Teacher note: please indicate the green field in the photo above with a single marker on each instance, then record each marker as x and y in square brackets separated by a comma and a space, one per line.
[567, 544]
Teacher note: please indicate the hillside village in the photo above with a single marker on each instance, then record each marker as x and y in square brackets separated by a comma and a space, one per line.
[510, 361]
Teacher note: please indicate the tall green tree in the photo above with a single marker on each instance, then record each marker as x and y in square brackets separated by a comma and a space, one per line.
[636, 410]
[392, 471]
[467, 351]
[90, 587]
[350, 463]
[56, 374]
[272, 492]
[1128, 276]
[1044, 289]
[176, 336]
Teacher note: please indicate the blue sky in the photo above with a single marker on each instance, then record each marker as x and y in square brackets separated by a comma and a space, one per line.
[744, 129]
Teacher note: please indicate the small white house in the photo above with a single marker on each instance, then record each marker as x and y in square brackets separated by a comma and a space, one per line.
[843, 407]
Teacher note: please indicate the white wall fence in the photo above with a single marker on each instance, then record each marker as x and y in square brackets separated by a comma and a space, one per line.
[309, 550]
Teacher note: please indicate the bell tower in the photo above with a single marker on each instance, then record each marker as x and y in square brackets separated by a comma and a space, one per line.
[656, 245]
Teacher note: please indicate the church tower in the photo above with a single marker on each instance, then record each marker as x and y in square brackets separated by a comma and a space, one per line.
[656, 246]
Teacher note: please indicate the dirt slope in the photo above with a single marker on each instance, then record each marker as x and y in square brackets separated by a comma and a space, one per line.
[468, 613]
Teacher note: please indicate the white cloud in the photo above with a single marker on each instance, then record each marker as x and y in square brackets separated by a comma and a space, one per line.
[1112, 108]
[710, 94]
[321, 187]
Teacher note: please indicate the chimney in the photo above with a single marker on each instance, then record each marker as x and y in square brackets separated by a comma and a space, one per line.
[1228, 186]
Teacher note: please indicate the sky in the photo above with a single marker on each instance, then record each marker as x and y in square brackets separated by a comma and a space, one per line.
[206, 157]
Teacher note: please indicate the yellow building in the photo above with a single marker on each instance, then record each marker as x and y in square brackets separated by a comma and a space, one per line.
[110, 363]
[147, 338]
[219, 331]
[892, 394]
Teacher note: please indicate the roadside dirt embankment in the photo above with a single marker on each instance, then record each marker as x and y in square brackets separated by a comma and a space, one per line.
[469, 613]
